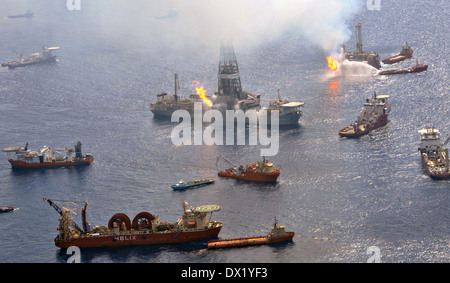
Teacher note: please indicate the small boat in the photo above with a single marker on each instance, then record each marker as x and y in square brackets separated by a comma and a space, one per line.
[47, 157]
[406, 53]
[6, 209]
[182, 185]
[373, 115]
[258, 171]
[277, 234]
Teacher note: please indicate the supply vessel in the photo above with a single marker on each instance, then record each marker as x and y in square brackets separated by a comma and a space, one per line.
[145, 229]
[277, 234]
[434, 154]
[373, 115]
[47, 157]
[289, 113]
[406, 53]
[258, 171]
[417, 68]
[46, 57]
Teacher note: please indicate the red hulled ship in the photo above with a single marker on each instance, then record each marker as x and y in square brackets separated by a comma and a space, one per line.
[258, 171]
[145, 229]
[417, 68]
[434, 154]
[47, 157]
[374, 114]
[406, 53]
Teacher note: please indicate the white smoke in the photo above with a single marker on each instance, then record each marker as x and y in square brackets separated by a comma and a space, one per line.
[322, 23]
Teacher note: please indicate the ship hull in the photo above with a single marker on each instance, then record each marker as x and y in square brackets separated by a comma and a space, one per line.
[345, 132]
[397, 58]
[251, 176]
[438, 176]
[288, 119]
[13, 65]
[249, 241]
[130, 239]
[19, 164]
[191, 186]
[161, 113]
[404, 71]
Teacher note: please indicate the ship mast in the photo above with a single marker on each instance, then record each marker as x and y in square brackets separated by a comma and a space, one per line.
[176, 87]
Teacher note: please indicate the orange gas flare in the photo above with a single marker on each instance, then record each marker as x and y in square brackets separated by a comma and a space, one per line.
[332, 64]
[202, 93]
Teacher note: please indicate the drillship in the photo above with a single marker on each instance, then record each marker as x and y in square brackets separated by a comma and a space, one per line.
[47, 157]
[145, 229]
[373, 115]
[434, 154]
[167, 104]
[371, 58]
[35, 58]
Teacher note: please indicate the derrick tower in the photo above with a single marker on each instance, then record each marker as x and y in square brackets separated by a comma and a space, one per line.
[229, 81]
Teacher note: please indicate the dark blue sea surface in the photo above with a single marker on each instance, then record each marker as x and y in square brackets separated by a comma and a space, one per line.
[340, 196]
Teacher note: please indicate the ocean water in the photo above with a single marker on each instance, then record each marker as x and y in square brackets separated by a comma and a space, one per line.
[340, 196]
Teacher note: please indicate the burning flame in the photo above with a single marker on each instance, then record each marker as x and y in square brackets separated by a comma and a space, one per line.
[332, 64]
[202, 93]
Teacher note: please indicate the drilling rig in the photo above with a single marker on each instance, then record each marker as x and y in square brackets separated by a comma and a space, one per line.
[359, 55]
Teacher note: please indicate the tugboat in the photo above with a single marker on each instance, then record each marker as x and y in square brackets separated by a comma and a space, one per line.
[373, 115]
[277, 234]
[406, 53]
[434, 156]
[47, 157]
[258, 171]
[145, 229]
[182, 185]
[35, 58]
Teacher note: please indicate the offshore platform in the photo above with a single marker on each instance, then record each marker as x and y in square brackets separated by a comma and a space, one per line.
[359, 55]
[229, 94]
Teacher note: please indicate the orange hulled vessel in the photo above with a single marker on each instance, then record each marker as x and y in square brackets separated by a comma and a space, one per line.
[434, 154]
[373, 115]
[145, 229]
[258, 171]
[47, 157]
[277, 234]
